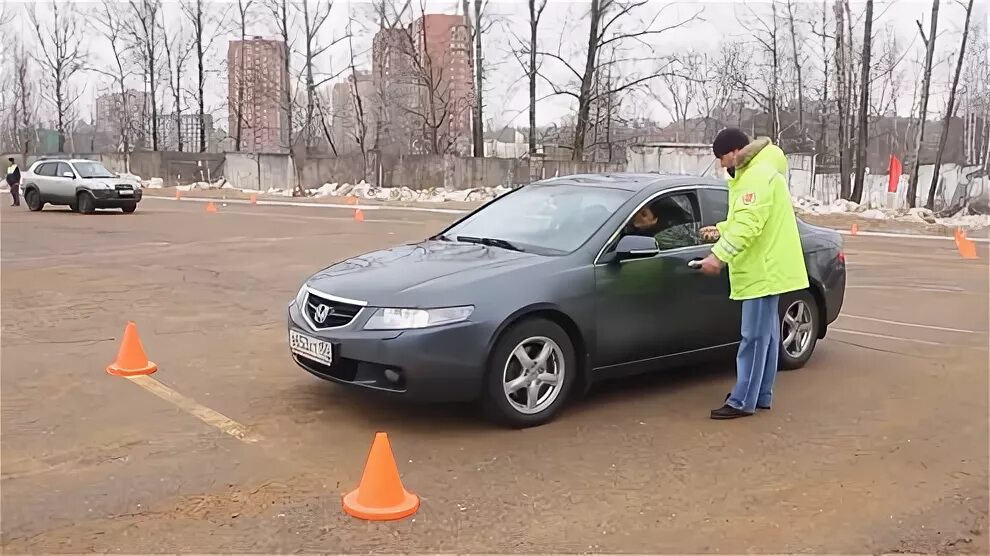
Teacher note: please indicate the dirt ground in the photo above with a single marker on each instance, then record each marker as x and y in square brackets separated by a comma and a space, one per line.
[879, 445]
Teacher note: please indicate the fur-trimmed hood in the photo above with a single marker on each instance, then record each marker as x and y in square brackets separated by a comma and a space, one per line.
[761, 151]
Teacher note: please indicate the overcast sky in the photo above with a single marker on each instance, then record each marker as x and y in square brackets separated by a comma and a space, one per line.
[506, 94]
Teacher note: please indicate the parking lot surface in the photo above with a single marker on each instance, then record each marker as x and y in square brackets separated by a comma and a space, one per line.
[879, 444]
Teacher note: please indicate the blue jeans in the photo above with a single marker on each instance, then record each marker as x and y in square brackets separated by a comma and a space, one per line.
[756, 362]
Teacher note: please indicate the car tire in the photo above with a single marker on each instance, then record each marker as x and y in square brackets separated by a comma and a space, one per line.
[536, 400]
[32, 198]
[85, 203]
[129, 208]
[798, 309]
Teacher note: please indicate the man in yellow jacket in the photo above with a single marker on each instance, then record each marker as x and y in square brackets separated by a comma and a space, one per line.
[760, 243]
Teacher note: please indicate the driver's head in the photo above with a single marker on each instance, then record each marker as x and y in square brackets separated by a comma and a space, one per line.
[644, 219]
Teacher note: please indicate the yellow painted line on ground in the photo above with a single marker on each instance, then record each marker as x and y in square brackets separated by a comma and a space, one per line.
[210, 417]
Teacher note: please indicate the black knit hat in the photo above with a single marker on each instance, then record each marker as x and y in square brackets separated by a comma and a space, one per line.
[728, 140]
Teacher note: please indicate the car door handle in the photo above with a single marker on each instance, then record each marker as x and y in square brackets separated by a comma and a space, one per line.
[694, 263]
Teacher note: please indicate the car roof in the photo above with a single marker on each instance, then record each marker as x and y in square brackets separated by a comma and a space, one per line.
[71, 160]
[629, 181]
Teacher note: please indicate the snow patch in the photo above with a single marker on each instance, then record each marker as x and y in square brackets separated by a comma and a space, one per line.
[914, 215]
[364, 190]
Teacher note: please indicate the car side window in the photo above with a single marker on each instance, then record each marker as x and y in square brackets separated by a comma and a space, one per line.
[62, 169]
[672, 219]
[47, 169]
[714, 205]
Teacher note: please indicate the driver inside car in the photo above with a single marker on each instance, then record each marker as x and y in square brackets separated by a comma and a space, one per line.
[646, 223]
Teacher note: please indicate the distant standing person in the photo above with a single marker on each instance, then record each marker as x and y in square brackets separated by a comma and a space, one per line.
[759, 241]
[14, 181]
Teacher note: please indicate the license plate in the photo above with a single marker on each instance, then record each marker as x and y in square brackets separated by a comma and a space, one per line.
[125, 192]
[317, 350]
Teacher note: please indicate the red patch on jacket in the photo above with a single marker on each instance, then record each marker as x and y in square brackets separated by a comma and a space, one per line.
[748, 198]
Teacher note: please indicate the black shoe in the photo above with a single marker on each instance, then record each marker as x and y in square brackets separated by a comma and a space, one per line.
[758, 406]
[728, 412]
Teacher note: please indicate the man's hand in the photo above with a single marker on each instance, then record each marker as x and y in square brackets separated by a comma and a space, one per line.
[708, 234]
[711, 265]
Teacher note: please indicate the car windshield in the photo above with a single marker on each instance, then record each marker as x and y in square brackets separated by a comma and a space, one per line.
[92, 170]
[551, 219]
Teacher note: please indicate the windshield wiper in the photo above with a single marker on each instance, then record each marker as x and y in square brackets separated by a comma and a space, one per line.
[489, 241]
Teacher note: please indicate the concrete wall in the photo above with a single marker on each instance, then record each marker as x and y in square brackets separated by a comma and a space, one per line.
[173, 167]
[953, 184]
[694, 160]
[244, 171]
[698, 160]
[257, 171]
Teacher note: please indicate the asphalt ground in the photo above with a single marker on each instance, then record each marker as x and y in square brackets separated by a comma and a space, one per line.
[879, 444]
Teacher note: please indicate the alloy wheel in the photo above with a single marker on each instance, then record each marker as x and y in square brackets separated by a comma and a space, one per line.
[796, 329]
[533, 375]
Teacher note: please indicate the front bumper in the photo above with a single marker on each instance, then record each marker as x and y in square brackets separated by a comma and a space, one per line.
[440, 364]
[109, 198]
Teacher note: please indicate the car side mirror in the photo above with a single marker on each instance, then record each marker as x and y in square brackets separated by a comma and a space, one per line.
[68, 175]
[636, 247]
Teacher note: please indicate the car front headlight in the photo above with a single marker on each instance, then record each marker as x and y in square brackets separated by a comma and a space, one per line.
[407, 319]
[301, 297]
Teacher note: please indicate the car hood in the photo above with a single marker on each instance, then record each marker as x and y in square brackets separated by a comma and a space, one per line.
[427, 274]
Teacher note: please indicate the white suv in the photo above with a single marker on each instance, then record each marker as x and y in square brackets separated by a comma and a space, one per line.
[84, 185]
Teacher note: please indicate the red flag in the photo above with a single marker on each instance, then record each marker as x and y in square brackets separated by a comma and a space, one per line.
[895, 174]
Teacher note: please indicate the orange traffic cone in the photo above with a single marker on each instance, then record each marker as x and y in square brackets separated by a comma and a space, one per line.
[131, 359]
[254, 199]
[210, 207]
[966, 246]
[854, 230]
[359, 215]
[178, 194]
[381, 496]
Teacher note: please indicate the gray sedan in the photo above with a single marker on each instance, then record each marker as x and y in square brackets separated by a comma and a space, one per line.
[530, 299]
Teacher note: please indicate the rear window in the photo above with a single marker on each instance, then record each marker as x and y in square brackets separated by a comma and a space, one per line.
[46, 169]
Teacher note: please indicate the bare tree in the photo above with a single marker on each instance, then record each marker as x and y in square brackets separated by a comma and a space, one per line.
[535, 12]
[360, 120]
[607, 20]
[929, 40]
[844, 87]
[386, 75]
[864, 104]
[526, 53]
[429, 103]
[145, 32]
[975, 96]
[62, 56]
[796, 51]
[20, 89]
[112, 26]
[478, 66]
[207, 25]
[682, 89]
[950, 110]
[761, 74]
[177, 52]
[823, 100]
[314, 18]
[243, 18]
[284, 23]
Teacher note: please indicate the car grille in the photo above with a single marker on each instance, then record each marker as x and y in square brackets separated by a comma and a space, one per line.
[335, 315]
[123, 186]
